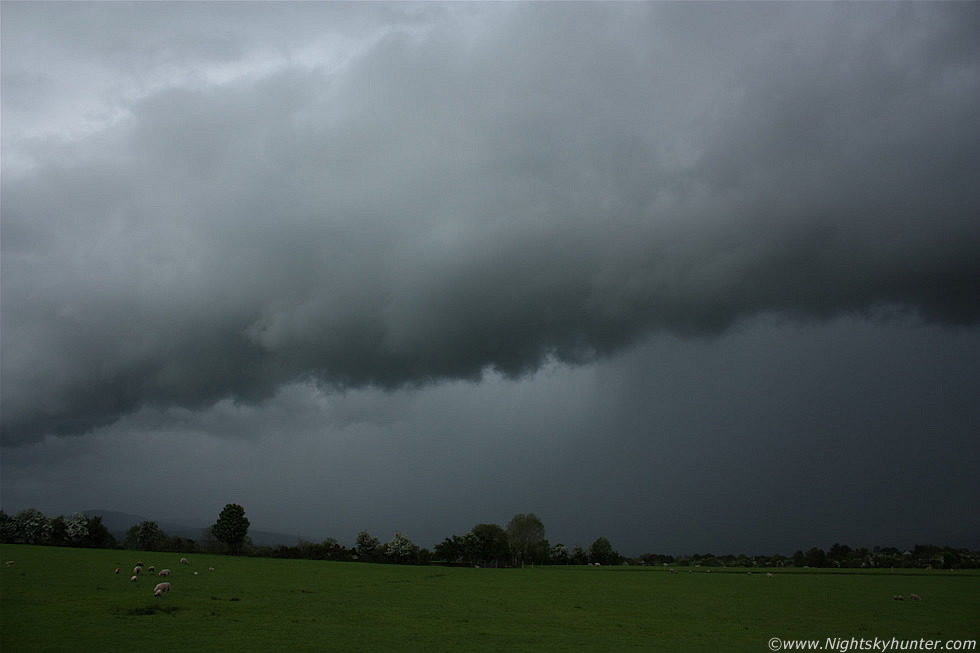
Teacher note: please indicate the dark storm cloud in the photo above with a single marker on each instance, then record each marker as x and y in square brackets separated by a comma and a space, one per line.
[546, 181]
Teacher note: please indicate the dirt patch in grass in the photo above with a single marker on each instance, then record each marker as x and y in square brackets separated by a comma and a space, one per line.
[151, 609]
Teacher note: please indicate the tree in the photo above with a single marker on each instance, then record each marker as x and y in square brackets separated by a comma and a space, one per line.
[231, 527]
[816, 557]
[450, 549]
[602, 552]
[76, 529]
[368, 547]
[31, 527]
[559, 554]
[492, 544]
[98, 535]
[579, 556]
[525, 532]
[146, 536]
[57, 535]
[401, 549]
[7, 528]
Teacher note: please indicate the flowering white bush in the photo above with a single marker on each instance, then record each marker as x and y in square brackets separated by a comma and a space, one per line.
[401, 548]
[32, 527]
[76, 529]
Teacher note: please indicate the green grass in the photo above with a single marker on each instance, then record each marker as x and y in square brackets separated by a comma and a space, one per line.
[54, 599]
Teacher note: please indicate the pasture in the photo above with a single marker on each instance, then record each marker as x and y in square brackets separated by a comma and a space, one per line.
[54, 599]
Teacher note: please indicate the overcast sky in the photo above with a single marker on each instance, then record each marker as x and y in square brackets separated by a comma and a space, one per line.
[689, 276]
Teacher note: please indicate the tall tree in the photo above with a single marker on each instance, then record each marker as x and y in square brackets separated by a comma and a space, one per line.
[525, 533]
[231, 527]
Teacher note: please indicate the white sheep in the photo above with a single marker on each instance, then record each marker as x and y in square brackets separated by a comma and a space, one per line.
[137, 570]
[898, 597]
[10, 563]
[210, 568]
[133, 579]
[151, 569]
[161, 588]
[183, 561]
[164, 572]
[117, 570]
[915, 597]
[769, 574]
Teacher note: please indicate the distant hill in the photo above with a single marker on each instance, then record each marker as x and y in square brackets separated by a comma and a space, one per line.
[120, 522]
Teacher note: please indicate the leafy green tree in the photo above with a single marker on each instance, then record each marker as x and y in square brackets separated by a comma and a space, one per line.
[98, 535]
[231, 527]
[7, 528]
[450, 549]
[470, 547]
[525, 532]
[816, 557]
[602, 552]
[579, 555]
[492, 544]
[57, 535]
[146, 536]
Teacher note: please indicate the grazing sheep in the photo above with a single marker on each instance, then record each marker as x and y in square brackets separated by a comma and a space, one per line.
[137, 570]
[210, 568]
[117, 570]
[898, 597]
[707, 571]
[769, 574]
[161, 588]
[164, 572]
[183, 561]
[598, 565]
[915, 597]
[133, 579]
[195, 573]
[150, 569]
[10, 563]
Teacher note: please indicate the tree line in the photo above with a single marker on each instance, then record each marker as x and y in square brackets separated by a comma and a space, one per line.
[521, 542]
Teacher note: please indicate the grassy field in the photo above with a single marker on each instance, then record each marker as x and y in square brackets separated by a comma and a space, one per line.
[53, 599]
